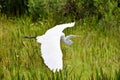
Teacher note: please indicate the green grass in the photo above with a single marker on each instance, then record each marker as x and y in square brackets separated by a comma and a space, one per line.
[93, 56]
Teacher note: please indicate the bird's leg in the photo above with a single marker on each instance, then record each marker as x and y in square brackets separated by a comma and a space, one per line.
[29, 37]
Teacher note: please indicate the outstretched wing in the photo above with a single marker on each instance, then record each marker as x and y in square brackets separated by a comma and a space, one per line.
[59, 28]
[51, 52]
[50, 47]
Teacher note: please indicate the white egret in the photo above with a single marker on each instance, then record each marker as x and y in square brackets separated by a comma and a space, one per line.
[50, 45]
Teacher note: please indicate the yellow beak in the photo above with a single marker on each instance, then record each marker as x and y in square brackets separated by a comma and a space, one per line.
[76, 36]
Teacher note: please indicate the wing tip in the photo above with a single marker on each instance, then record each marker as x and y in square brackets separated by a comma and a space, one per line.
[71, 24]
[56, 70]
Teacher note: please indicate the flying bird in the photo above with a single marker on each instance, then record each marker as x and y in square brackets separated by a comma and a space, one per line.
[50, 45]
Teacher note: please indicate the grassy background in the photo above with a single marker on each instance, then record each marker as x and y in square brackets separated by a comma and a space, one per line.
[93, 56]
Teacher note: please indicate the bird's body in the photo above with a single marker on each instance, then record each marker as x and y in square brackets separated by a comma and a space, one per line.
[50, 46]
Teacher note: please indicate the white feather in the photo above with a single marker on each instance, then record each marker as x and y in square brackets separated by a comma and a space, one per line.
[50, 46]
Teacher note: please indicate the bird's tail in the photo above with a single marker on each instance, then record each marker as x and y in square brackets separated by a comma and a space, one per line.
[29, 37]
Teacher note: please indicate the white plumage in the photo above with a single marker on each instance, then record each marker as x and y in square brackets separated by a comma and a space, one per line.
[50, 46]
